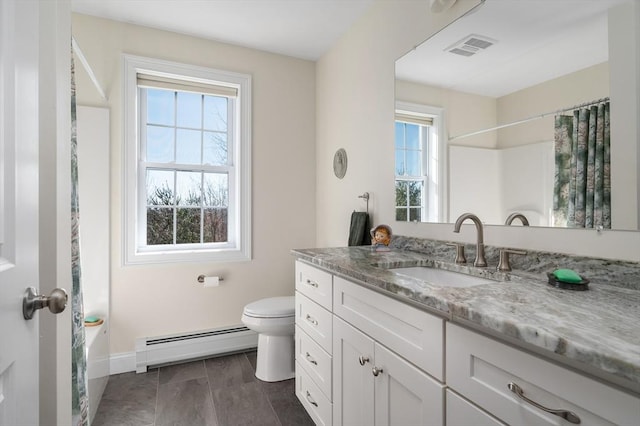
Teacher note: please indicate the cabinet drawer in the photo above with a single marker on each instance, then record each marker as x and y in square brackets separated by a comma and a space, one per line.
[414, 334]
[314, 360]
[313, 400]
[315, 284]
[314, 320]
[462, 412]
[481, 368]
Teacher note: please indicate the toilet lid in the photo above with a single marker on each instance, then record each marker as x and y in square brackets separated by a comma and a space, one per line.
[272, 307]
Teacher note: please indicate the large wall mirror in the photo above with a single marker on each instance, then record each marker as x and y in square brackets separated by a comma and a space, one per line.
[485, 116]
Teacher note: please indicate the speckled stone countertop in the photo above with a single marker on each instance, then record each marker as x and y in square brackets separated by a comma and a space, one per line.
[597, 331]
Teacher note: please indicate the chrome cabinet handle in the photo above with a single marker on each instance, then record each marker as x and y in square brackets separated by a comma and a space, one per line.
[311, 401]
[363, 360]
[376, 371]
[312, 283]
[569, 416]
[310, 359]
[312, 320]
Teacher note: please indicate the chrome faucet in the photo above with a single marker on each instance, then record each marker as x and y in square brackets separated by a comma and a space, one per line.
[480, 260]
[517, 215]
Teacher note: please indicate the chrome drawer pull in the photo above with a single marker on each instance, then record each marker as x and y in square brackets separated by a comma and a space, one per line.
[376, 371]
[312, 283]
[310, 359]
[311, 401]
[311, 320]
[565, 414]
[363, 360]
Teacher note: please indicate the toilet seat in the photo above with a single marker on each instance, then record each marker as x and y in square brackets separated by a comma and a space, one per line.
[272, 307]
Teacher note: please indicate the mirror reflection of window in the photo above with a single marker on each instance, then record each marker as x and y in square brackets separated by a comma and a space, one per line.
[416, 166]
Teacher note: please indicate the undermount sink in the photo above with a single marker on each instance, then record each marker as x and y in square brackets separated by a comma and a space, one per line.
[442, 277]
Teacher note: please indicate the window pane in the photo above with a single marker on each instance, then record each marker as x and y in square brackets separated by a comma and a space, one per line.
[414, 163]
[400, 163]
[159, 226]
[401, 194]
[160, 107]
[188, 146]
[401, 215]
[215, 113]
[160, 191]
[216, 189]
[415, 193]
[415, 215]
[159, 144]
[399, 135]
[189, 110]
[188, 226]
[215, 225]
[412, 137]
[188, 192]
[215, 148]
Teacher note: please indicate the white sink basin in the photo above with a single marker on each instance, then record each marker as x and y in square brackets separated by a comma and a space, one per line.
[442, 277]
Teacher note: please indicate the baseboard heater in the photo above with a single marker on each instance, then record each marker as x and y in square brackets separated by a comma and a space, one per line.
[156, 351]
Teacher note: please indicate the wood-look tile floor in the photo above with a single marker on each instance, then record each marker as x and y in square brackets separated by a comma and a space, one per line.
[220, 391]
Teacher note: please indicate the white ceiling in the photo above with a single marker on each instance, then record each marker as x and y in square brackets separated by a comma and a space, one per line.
[300, 28]
[537, 40]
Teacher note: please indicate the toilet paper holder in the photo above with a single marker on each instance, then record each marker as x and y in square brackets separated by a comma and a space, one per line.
[201, 278]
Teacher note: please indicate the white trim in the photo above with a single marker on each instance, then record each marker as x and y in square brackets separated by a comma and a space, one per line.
[132, 65]
[122, 363]
[438, 116]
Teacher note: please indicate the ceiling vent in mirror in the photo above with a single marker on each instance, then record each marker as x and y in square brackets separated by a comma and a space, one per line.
[471, 45]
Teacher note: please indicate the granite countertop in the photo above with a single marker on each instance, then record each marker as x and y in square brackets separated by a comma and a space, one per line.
[596, 330]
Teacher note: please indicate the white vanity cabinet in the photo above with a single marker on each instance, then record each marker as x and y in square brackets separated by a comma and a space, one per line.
[374, 338]
[374, 386]
[482, 370]
[313, 342]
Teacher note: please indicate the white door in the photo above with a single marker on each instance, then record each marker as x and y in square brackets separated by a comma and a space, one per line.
[20, 117]
[19, 210]
[352, 376]
[404, 395]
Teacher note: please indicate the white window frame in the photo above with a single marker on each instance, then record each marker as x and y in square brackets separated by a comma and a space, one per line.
[238, 247]
[438, 141]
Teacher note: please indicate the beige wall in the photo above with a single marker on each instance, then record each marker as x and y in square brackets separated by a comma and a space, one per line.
[355, 105]
[163, 299]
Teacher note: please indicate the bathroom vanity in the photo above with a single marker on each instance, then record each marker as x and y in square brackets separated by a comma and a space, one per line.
[374, 346]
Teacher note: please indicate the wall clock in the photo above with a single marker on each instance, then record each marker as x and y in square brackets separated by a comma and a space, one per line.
[340, 163]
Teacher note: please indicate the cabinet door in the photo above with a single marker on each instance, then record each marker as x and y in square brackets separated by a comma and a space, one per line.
[404, 395]
[352, 381]
[462, 412]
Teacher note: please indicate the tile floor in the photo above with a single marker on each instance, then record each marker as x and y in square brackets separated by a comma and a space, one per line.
[220, 391]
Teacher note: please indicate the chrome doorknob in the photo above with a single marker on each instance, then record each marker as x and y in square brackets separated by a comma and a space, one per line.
[32, 301]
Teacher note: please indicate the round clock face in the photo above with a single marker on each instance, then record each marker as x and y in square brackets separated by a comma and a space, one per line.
[340, 163]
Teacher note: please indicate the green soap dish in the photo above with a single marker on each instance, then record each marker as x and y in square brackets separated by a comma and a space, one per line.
[579, 286]
[91, 318]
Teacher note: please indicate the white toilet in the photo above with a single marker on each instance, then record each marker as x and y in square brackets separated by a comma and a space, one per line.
[274, 320]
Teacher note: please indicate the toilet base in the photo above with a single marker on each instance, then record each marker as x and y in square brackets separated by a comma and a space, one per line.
[275, 360]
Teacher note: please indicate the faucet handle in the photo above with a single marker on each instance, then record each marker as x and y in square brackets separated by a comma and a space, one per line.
[503, 263]
[460, 257]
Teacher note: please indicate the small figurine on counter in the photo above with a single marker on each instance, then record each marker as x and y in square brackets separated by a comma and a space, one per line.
[381, 237]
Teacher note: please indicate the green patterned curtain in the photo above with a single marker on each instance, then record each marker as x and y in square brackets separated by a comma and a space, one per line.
[582, 192]
[79, 398]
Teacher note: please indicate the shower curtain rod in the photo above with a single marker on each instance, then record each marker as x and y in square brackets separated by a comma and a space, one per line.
[513, 123]
[87, 67]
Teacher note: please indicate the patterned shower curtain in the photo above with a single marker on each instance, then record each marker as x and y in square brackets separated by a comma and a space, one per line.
[79, 398]
[582, 192]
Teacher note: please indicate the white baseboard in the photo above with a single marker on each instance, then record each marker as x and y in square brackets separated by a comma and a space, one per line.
[122, 363]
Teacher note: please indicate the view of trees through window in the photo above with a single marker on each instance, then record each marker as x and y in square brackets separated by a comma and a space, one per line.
[409, 171]
[187, 167]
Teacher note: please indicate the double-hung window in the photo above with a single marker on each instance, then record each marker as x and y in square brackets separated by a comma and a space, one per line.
[418, 163]
[187, 163]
